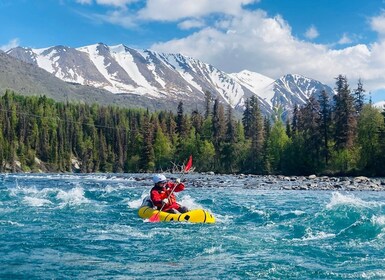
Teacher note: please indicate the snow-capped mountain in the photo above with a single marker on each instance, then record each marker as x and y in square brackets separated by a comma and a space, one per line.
[28, 79]
[287, 91]
[159, 76]
[285, 86]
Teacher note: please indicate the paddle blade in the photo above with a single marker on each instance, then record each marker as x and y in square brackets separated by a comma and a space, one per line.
[189, 164]
[154, 218]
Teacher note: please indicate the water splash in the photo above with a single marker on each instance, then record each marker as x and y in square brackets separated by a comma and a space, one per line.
[72, 197]
[338, 199]
[63, 226]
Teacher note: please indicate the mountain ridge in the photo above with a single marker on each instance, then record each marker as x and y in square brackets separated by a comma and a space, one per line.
[28, 79]
[166, 77]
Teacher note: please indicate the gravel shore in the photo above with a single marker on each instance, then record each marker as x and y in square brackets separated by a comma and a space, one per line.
[280, 182]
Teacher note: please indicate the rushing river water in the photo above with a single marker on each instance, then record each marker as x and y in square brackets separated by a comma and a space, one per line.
[62, 226]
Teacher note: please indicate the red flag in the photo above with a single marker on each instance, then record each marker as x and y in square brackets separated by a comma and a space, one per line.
[189, 164]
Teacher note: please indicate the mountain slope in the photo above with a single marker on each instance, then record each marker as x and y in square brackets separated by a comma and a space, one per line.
[120, 69]
[166, 78]
[285, 92]
[28, 79]
[281, 91]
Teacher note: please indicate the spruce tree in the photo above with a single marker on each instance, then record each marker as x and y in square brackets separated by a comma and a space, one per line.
[266, 159]
[197, 121]
[208, 100]
[344, 115]
[147, 156]
[218, 123]
[229, 147]
[183, 124]
[230, 136]
[312, 134]
[246, 119]
[218, 129]
[359, 97]
[294, 122]
[180, 120]
[257, 136]
[325, 123]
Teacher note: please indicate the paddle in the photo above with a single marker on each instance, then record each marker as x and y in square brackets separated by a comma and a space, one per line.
[155, 217]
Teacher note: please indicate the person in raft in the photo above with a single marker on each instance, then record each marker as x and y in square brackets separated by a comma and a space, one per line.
[160, 194]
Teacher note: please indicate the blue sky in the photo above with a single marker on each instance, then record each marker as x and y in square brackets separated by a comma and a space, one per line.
[318, 39]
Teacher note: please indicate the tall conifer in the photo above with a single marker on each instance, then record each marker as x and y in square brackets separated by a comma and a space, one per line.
[344, 115]
[359, 97]
[257, 136]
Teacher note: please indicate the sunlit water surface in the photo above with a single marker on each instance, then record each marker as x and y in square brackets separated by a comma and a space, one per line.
[60, 226]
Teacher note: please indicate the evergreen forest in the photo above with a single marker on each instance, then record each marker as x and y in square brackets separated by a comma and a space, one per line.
[338, 135]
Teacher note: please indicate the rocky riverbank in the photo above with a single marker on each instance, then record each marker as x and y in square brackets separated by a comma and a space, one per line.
[279, 182]
[248, 181]
[274, 182]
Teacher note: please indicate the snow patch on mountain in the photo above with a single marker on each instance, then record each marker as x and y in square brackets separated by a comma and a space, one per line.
[255, 82]
[46, 60]
[100, 60]
[123, 70]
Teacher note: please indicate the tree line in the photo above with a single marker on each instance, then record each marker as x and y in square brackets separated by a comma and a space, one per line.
[338, 135]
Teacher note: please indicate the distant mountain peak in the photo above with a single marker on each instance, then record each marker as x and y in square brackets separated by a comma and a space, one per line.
[119, 48]
[166, 76]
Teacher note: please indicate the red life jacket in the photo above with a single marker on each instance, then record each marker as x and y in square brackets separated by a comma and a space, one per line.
[158, 193]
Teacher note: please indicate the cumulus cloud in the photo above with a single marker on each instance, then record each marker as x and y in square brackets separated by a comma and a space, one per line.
[117, 17]
[161, 9]
[116, 3]
[11, 44]
[311, 33]
[266, 45]
[186, 14]
[234, 38]
[171, 10]
[345, 39]
[378, 24]
[189, 24]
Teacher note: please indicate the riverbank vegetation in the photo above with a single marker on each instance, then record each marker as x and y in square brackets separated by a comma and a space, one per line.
[338, 135]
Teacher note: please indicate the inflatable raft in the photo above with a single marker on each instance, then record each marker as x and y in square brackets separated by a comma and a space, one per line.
[194, 216]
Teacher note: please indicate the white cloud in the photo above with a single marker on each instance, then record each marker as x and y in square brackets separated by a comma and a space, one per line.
[171, 10]
[189, 24]
[118, 17]
[11, 44]
[116, 3]
[242, 39]
[84, 2]
[378, 24]
[312, 32]
[345, 39]
[259, 43]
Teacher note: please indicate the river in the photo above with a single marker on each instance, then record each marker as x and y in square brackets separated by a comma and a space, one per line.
[71, 226]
